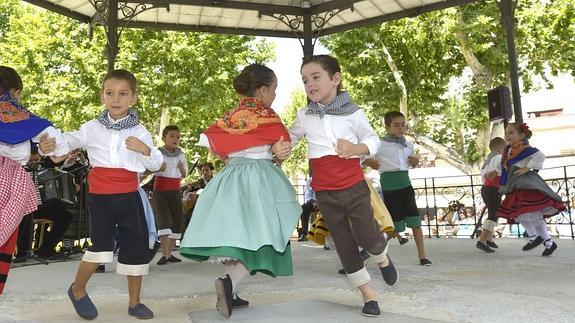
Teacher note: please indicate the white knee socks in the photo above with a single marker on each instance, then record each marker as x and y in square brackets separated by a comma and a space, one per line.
[237, 271]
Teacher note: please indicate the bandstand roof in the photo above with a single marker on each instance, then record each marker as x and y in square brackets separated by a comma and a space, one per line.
[252, 17]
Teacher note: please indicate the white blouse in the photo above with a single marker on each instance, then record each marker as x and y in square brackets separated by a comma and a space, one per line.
[322, 133]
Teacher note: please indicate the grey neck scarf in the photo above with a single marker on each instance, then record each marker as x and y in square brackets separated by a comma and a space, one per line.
[128, 122]
[399, 140]
[340, 106]
[168, 153]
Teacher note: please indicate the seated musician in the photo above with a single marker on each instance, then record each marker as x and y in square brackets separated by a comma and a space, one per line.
[190, 193]
[54, 210]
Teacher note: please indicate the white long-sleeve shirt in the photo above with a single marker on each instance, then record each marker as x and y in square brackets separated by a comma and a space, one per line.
[107, 148]
[392, 156]
[21, 152]
[322, 133]
[172, 170]
[494, 165]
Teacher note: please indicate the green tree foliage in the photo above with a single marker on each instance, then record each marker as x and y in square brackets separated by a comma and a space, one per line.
[190, 74]
[436, 51]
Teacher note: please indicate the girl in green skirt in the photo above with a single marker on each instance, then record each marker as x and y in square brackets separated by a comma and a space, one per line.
[246, 214]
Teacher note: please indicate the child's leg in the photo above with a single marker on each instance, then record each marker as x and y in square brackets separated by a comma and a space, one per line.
[418, 236]
[367, 293]
[85, 271]
[541, 229]
[134, 288]
[237, 271]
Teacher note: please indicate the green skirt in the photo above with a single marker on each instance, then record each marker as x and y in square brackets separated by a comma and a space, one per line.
[248, 211]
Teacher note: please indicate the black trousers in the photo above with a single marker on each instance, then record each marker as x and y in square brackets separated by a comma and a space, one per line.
[307, 208]
[53, 210]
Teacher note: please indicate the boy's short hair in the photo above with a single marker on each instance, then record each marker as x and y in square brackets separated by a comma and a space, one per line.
[496, 143]
[389, 116]
[207, 164]
[122, 75]
[168, 129]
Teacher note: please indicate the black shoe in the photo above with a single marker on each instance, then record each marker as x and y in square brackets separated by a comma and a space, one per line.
[425, 262]
[482, 246]
[237, 302]
[225, 296]
[549, 249]
[174, 259]
[101, 269]
[371, 309]
[341, 271]
[302, 238]
[403, 241]
[492, 244]
[162, 261]
[326, 248]
[389, 273]
[532, 243]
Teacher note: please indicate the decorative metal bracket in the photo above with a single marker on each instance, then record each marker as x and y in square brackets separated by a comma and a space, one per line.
[294, 23]
[126, 9]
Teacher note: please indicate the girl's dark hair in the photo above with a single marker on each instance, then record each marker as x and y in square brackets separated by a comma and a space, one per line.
[122, 75]
[252, 78]
[328, 63]
[522, 128]
[168, 129]
[10, 79]
[388, 117]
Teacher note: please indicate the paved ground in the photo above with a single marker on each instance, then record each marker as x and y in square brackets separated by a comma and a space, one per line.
[463, 285]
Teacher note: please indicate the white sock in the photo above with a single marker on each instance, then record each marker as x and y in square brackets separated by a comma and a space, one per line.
[529, 228]
[237, 273]
[542, 231]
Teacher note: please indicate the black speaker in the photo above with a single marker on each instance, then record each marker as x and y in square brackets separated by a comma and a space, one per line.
[499, 100]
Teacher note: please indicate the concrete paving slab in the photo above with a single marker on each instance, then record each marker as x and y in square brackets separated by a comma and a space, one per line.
[463, 285]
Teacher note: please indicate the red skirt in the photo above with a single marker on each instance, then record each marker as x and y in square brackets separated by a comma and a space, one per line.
[520, 202]
[6, 251]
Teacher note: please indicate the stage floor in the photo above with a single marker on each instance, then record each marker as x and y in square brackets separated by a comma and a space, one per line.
[463, 285]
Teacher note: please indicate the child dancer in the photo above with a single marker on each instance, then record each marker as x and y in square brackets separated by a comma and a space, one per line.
[338, 133]
[490, 173]
[167, 197]
[247, 212]
[395, 157]
[119, 149]
[18, 127]
[528, 199]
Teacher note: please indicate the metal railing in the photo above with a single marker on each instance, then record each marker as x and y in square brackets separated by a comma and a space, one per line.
[452, 206]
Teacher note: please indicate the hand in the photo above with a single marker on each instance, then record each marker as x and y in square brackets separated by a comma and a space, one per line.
[345, 149]
[281, 149]
[47, 144]
[135, 144]
[181, 168]
[521, 171]
[413, 160]
[491, 175]
[372, 162]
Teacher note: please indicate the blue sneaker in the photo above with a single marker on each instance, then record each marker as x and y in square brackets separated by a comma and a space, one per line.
[84, 306]
[141, 312]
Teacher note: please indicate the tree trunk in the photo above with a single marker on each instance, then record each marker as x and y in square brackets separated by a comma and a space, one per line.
[396, 74]
[451, 156]
[164, 121]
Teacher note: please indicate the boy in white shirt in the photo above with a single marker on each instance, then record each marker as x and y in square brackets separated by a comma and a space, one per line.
[490, 174]
[394, 158]
[119, 149]
[167, 197]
